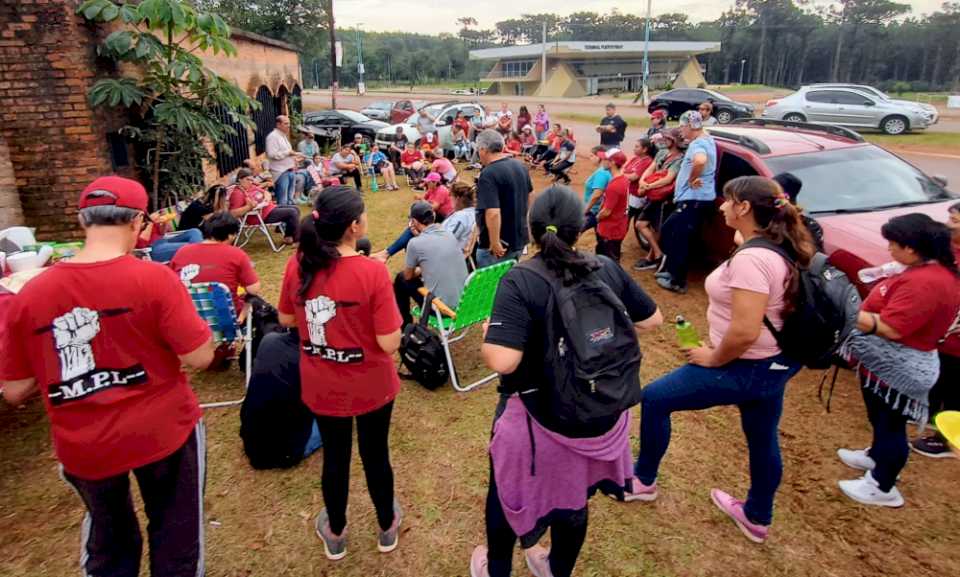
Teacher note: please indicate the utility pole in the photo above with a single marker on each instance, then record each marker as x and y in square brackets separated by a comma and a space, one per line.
[333, 55]
[646, 56]
[543, 59]
[361, 89]
[742, 63]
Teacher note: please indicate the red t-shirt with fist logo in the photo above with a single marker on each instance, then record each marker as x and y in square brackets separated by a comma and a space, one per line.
[343, 371]
[101, 340]
[215, 262]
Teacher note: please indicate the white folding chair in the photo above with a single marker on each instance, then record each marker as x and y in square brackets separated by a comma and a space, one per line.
[248, 229]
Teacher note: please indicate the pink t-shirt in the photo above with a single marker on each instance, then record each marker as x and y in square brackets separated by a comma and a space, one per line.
[757, 270]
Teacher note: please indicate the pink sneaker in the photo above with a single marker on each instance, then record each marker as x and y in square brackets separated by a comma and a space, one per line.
[640, 492]
[734, 509]
[538, 561]
[478, 562]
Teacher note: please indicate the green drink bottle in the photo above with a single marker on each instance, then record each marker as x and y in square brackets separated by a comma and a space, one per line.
[686, 335]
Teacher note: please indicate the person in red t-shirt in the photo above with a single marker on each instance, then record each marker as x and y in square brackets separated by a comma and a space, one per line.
[102, 338]
[643, 153]
[343, 305]
[894, 348]
[612, 218]
[945, 395]
[437, 195]
[246, 196]
[217, 260]
[411, 160]
[514, 144]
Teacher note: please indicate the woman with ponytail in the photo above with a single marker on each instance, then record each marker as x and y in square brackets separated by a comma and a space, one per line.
[741, 363]
[894, 349]
[542, 473]
[343, 306]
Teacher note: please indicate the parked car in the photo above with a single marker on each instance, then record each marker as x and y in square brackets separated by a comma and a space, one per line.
[851, 107]
[379, 110]
[328, 123]
[462, 92]
[444, 112]
[680, 100]
[929, 108]
[851, 187]
[404, 109]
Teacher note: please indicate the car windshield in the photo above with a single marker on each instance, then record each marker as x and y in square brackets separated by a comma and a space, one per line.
[355, 116]
[381, 105]
[434, 110]
[857, 179]
[718, 96]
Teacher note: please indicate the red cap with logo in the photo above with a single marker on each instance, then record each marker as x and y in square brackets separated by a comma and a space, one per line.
[123, 192]
[614, 155]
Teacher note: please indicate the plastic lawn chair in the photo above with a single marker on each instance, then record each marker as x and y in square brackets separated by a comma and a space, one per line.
[476, 304]
[214, 303]
[948, 423]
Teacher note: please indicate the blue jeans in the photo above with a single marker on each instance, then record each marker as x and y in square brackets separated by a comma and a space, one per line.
[679, 231]
[755, 386]
[314, 442]
[486, 258]
[163, 249]
[400, 243]
[284, 186]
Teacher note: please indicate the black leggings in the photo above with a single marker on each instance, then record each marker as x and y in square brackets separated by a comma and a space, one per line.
[373, 431]
[567, 534]
[289, 216]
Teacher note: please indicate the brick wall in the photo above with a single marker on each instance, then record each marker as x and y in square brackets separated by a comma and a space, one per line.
[47, 63]
[10, 212]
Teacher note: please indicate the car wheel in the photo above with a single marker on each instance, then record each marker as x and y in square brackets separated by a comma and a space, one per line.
[794, 117]
[894, 125]
[724, 117]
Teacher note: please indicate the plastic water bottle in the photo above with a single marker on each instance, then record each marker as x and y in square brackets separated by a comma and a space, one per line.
[873, 274]
[374, 187]
[687, 337]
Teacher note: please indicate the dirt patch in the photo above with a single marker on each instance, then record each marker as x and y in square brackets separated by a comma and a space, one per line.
[259, 522]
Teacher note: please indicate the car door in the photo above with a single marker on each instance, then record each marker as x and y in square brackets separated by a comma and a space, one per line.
[821, 106]
[680, 102]
[856, 108]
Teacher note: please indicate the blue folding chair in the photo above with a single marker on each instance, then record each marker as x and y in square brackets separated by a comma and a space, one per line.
[214, 303]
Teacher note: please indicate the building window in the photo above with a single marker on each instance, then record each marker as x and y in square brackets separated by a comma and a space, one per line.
[232, 159]
[514, 68]
[265, 119]
[119, 156]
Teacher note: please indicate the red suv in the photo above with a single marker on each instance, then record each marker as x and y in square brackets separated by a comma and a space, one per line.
[851, 187]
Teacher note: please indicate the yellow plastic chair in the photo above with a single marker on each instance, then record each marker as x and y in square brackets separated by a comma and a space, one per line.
[948, 423]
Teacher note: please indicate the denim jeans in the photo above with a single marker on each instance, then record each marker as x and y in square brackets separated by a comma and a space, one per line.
[486, 258]
[889, 448]
[163, 249]
[284, 186]
[755, 386]
[400, 243]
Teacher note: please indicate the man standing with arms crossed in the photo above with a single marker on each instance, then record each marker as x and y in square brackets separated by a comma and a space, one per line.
[283, 160]
[612, 128]
[102, 338]
[694, 197]
[503, 195]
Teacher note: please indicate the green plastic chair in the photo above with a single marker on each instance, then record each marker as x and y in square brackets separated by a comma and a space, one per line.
[476, 304]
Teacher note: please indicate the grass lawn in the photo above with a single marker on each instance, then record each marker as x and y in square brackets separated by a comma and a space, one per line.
[259, 523]
[593, 118]
[945, 142]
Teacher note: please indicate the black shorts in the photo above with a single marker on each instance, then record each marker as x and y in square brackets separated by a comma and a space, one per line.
[656, 213]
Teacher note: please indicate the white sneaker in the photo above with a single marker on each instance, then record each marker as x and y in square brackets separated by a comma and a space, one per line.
[857, 459]
[866, 491]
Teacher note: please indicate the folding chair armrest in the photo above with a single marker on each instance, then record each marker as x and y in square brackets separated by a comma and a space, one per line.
[441, 306]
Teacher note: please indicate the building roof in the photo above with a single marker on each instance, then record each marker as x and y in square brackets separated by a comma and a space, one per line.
[260, 39]
[594, 48]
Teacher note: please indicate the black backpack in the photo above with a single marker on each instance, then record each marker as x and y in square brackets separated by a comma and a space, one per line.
[592, 362]
[825, 311]
[421, 350]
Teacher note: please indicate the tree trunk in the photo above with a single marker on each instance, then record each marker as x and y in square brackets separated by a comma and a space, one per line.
[155, 189]
[923, 66]
[763, 48]
[804, 49]
[835, 72]
[956, 69]
[935, 74]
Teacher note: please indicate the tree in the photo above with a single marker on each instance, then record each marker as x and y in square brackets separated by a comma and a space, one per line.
[300, 22]
[853, 14]
[181, 102]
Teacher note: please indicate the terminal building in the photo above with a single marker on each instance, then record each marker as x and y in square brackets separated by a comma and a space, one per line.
[587, 68]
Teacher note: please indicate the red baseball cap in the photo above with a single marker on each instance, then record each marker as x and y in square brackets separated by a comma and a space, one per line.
[660, 113]
[614, 155]
[129, 193]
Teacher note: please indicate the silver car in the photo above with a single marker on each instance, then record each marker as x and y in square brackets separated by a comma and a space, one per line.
[934, 113]
[379, 110]
[845, 106]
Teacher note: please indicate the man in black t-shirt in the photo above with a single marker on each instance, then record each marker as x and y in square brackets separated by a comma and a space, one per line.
[612, 128]
[503, 195]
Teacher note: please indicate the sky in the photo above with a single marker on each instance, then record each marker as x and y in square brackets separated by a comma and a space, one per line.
[436, 16]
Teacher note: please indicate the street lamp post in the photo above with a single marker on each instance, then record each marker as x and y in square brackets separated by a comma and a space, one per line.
[361, 89]
[646, 55]
[743, 61]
